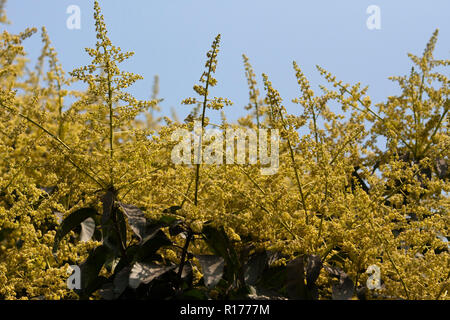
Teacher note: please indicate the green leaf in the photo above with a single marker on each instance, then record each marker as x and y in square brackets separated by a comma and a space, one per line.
[120, 282]
[136, 218]
[107, 291]
[176, 228]
[264, 294]
[212, 268]
[274, 279]
[221, 245]
[114, 231]
[145, 273]
[87, 229]
[218, 241]
[186, 274]
[72, 221]
[122, 226]
[313, 267]
[194, 294]
[295, 280]
[151, 243]
[172, 209]
[255, 267]
[108, 205]
[91, 268]
[344, 288]
[113, 290]
[110, 237]
[167, 220]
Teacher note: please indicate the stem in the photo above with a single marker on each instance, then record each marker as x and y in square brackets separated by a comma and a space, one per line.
[417, 115]
[110, 106]
[197, 169]
[184, 254]
[252, 180]
[323, 215]
[446, 108]
[185, 196]
[60, 107]
[257, 114]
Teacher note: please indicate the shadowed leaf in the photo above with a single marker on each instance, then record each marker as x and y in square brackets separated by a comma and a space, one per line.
[91, 268]
[313, 267]
[212, 268]
[145, 273]
[72, 221]
[136, 219]
[442, 168]
[87, 229]
[255, 267]
[343, 290]
[108, 203]
[151, 243]
[172, 209]
[295, 279]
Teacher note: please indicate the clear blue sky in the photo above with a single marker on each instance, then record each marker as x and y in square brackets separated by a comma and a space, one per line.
[171, 37]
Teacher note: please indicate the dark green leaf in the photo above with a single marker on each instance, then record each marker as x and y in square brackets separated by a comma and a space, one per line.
[255, 267]
[108, 204]
[120, 282]
[264, 294]
[107, 291]
[221, 245]
[176, 228]
[186, 274]
[313, 267]
[111, 237]
[145, 273]
[151, 244]
[273, 278]
[344, 289]
[167, 221]
[194, 294]
[172, 209]
[122, 225]
[72, 221]
[442, 168]
[91, 268]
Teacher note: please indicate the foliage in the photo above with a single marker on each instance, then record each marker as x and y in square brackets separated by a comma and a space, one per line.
[89, 183]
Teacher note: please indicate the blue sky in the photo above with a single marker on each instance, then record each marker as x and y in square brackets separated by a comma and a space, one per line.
[170, 38]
